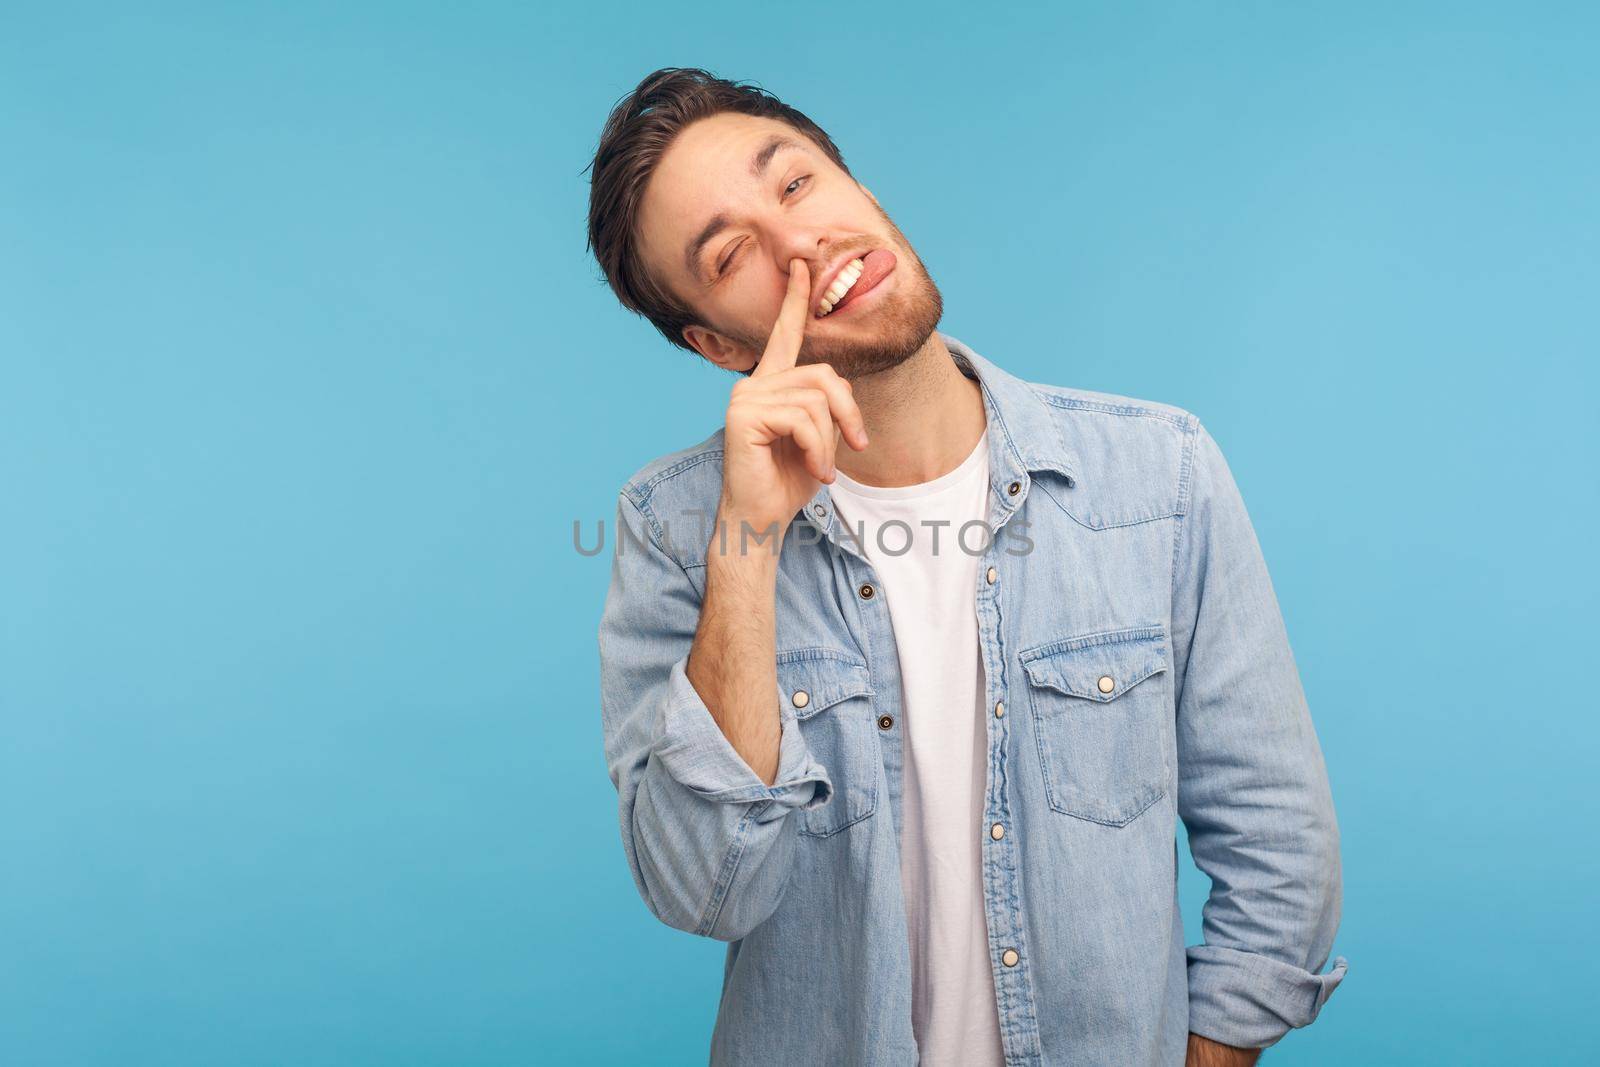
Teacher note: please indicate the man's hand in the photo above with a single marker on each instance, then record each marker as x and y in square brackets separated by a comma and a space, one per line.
[784, 424]
[1204, 1052]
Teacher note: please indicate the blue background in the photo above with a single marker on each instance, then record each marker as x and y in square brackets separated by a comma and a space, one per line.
[305, 375]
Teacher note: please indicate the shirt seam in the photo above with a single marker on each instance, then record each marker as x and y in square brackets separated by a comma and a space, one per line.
[730, 868]
[1180, 527]
[647, 488]
[1185, 488]
[1066, 402]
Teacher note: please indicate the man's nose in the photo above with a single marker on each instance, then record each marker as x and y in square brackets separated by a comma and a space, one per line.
[809, 245]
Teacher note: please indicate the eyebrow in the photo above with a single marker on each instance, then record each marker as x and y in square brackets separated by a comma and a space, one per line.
[719, 222]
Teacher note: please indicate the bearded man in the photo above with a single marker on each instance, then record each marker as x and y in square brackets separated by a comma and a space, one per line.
[910, 669]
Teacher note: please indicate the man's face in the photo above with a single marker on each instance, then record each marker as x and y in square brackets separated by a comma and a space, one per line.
[732, 201]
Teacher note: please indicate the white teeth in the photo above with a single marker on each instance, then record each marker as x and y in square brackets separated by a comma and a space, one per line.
[841, 285]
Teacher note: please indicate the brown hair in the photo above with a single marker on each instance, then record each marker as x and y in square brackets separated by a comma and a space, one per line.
[636, 135]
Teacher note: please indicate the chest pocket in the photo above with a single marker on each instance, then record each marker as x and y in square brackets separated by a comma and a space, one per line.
[830, 694]
[1100, 705]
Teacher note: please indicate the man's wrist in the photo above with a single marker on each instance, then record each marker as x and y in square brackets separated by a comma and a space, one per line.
[737, 537]
[1204, 1052]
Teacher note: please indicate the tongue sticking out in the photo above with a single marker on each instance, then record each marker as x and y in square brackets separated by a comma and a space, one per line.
[875, 266]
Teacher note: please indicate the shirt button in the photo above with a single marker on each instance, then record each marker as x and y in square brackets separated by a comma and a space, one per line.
[1014, 488]
[866, 591]
[885, 722]
[992, 575]
[818, 510]
[1009, 957]
[801, 698]
[999, 708]
[1106, 684]
[997, 831]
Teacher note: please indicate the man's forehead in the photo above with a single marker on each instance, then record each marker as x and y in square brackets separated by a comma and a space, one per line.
[721, 145]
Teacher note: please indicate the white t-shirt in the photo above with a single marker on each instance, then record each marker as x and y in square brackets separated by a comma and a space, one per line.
[931, 592]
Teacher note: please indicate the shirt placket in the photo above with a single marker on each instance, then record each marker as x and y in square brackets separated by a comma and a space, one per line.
[1011, 957]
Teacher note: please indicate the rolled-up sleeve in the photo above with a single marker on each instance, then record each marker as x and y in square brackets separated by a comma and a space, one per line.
[1253, 789]
[708, 842]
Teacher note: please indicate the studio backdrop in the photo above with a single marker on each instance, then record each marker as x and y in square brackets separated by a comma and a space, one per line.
[314, 406]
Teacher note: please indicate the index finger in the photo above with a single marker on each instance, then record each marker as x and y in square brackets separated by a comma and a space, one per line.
[783, 345]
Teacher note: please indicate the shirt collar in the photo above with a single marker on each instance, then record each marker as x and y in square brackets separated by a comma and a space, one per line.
[1020, 420]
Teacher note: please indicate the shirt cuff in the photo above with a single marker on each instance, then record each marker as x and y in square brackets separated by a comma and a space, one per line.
[1249, 1000]
[693, 749]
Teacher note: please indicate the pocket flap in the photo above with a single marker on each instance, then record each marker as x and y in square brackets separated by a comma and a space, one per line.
[1076, 665]
[813, 679]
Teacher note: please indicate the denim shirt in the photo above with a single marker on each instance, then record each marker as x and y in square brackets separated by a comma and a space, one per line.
[1138, 673]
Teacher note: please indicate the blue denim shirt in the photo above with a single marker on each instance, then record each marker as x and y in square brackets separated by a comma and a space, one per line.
[1138, 673]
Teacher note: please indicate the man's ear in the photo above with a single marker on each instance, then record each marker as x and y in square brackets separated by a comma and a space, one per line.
[729, 355]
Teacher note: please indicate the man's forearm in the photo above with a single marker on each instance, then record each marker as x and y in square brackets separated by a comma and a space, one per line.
[1204, 1052]
[733, 661]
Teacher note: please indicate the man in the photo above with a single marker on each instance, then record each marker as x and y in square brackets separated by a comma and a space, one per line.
[910, 723]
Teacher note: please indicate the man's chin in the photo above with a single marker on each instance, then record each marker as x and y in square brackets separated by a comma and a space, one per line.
[856, 359]
[890, 343]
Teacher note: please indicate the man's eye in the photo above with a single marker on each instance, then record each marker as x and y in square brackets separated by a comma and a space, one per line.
[722, 268]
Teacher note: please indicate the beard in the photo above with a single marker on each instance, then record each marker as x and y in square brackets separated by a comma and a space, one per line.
[888, 335]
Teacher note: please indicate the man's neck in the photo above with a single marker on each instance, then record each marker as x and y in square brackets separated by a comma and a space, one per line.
[923, 418]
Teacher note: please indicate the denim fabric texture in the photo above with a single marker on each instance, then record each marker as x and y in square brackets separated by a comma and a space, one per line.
[1139, 674]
